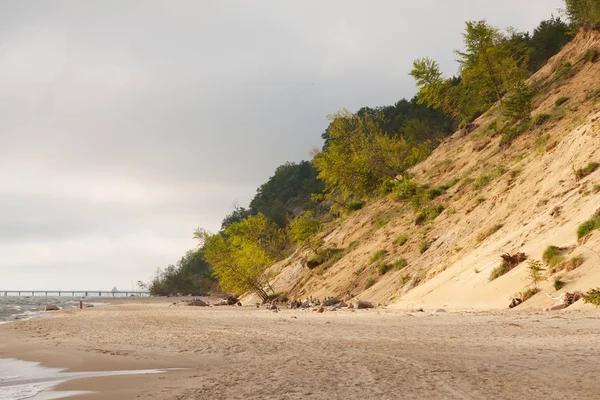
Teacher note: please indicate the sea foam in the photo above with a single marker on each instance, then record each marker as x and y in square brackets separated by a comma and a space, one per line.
[20, 380]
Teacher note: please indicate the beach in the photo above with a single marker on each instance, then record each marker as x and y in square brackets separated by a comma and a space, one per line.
[249, 353]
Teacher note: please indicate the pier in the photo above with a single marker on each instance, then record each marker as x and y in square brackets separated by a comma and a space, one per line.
[76, 293]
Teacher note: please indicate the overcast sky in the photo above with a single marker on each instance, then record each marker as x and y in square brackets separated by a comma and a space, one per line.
[125, 125]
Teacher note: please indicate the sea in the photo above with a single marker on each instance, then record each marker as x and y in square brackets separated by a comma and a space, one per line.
[26, 307]
[20, 380]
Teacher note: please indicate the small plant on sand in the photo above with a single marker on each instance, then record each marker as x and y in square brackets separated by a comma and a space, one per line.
[535, 273]
[428, 214]
[424, 246]
[401, 240]
[541, 119]
[529, 293]
[370, 282]
[591, 55]
[379, 254]
[400, 264]
[481, 182]
[550, 253]
[596, 188]
[590, 225]
[488, 232]
[383, 268]
[564, 71]
[588, 169]
[558, 283]
[509, 261]
[592, 296]
[476, 270]
[560, 101]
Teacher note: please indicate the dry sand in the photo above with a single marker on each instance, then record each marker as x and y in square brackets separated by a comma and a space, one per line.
[249, 353]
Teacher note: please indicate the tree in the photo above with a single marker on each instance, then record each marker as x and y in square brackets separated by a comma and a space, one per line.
[585, 13]
[548, 39]
[190, 276]
[303, 230]
[240, 256]
[360, 157]
[487, 64]
[535, 273]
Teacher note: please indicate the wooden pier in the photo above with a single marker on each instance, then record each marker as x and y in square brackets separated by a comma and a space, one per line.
[75, 293]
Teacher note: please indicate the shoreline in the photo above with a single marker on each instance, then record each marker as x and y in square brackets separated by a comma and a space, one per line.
[247, 353]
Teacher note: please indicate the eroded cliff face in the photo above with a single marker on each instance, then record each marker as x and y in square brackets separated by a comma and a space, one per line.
[517, 198]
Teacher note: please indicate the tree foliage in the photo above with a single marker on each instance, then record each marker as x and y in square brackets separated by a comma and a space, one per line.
[240, 256]
[190, 276]
[360, 157]
[303, 230]
[585, 13]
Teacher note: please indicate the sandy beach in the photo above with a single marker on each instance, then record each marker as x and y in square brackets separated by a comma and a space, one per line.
[249, 353]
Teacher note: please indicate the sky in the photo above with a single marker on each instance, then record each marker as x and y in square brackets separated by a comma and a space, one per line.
[126, 125]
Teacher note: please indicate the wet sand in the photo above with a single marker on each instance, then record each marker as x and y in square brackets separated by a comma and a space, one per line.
[249, 353]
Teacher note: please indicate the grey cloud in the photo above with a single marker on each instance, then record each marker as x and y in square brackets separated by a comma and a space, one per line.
[125, 122]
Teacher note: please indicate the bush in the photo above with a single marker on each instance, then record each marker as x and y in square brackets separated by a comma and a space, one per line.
[517, 104]
[424, 246]
[588, 226]
[331, 255]
[560, 101]
[550, 253]
[481, 182]
[558, 283]
[541, 119]
[429, 214]
[513, 132]
[583, 172]
[508, 263]
[591, 55]
[379, 254]
[356, 206]
[564, 71]
[400, 264]
[383, 268]
[370, 282]
[592, 296]
[401, 240]
[489, 232]
[500, 270]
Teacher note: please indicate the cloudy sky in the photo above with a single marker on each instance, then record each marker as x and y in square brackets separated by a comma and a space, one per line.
[124, 125]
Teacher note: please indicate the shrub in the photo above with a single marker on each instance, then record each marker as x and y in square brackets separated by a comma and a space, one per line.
[356, 206]
[529, 293]
[489, 232]
[429, 214]
[558, 283]
[331, 256]
[379, 254]
[400, 264]
[508, 263]
[535, 273]
[481, 182]
[542, 142]
[517, 104]
[383, 268]
[541, 119]
[560, 101]
[424, 246]
[588, 226]
[588, 169]
[591, 55]
[515, 131]
[550, 253]
[370, 282]
[500, 270]
[592, 296]
[401, 240]
[564, 71]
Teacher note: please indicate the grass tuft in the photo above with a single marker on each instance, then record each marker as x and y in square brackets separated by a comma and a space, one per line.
[401, 240]
[370, 282]
[588, 169]
[560, 101]
[590, 225]
[378, 255]
[400, 264]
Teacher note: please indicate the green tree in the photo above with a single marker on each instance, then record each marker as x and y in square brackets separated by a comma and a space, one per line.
[535, 272]
[585, 13]
[548, 38]
[360, 157]
[241, 256]
[303, 231]
[190, 276]
[487, 64]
